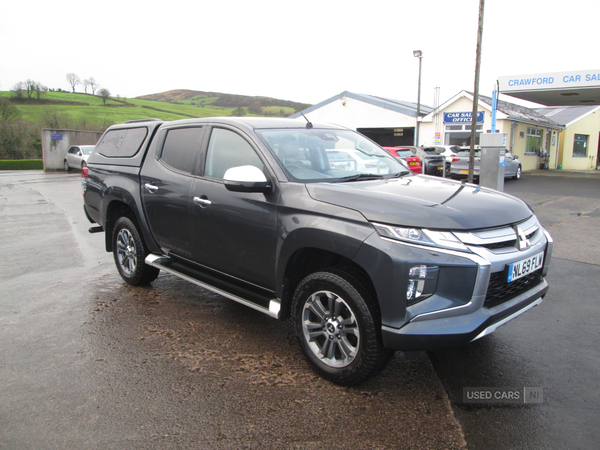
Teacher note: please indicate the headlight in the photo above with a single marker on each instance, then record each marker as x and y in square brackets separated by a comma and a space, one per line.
[422, 236]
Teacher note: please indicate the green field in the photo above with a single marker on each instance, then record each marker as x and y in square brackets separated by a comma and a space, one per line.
[86, 108]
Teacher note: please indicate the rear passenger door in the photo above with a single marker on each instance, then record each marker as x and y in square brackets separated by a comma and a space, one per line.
[166, 183]
[233, 232]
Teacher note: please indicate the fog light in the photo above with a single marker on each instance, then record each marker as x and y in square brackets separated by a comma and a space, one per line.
[416, 282]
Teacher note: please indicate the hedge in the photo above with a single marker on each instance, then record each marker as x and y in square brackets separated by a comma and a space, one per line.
[21, 164]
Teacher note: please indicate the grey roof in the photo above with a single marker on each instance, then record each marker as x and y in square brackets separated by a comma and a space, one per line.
[521, 113]
[402, 107]
[566, 115]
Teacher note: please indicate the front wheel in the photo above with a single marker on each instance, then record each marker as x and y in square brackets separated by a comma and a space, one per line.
[336, 327]
[66, 165]
[130, 252]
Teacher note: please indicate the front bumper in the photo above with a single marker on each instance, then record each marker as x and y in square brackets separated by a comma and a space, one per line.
[473, 296]
[454, 331]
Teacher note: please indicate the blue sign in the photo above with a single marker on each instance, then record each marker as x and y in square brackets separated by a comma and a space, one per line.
[462, 117]
[57, 137]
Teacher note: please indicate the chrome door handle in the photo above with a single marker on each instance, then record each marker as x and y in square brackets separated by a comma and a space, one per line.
[151, 187]
[202, 201]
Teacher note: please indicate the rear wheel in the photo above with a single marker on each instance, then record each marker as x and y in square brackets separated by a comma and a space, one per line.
[517, 175]
[130, 252]
[336, 326]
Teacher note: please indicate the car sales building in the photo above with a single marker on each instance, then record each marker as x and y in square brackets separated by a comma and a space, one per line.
[531, 136]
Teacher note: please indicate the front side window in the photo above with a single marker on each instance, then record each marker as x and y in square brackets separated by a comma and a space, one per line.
[580, 144]
[180, 148]
[227, 149]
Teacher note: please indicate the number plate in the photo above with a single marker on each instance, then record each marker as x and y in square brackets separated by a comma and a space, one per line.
[525, 266]
[464, 171]
[413, 163]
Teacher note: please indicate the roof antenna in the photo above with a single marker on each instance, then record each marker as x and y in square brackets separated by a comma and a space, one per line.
[308, 123]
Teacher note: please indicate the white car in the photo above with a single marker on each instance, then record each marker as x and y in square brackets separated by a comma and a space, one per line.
[365, 163]
[77, 156]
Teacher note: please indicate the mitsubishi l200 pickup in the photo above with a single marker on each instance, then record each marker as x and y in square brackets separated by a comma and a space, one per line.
[364, 262]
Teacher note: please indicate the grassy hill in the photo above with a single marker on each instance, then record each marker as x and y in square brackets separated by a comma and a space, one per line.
[19, 137]
[169, 105]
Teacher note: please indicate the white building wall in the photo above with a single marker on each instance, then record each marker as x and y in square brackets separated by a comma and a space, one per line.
[356, 114]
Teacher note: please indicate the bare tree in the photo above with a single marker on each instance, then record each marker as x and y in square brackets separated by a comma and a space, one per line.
[18, 89]
[40, 89]
[104, 93]
[93, 85]
[30, 87]
[86, 84]
[73, 80]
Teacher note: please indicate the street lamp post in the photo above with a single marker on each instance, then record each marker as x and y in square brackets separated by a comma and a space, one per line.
[418, 54]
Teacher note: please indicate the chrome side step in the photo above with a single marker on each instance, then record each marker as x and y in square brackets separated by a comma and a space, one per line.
[162, 263]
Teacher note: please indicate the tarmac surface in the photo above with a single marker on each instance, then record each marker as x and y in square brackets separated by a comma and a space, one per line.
[89, 362]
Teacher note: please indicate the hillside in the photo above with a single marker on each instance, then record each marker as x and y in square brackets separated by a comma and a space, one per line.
[255, 105]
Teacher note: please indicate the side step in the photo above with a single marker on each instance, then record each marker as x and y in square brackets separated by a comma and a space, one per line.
[164, 263]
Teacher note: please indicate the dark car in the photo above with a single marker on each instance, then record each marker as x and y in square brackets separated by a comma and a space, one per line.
[271, 213]
[432, 162]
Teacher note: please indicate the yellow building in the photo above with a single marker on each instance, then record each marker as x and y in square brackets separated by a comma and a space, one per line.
[532, 136]
[579, 143]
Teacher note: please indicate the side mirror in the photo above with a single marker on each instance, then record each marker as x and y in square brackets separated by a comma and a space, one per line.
[516, 157]
[246, 179]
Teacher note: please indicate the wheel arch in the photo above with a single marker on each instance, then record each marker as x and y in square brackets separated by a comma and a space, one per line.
[310, 260]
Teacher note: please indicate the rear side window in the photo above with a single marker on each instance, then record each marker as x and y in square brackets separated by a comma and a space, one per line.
[180, 148]
[122, 143]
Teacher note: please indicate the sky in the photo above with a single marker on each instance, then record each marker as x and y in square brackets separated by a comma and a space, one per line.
[300, 50]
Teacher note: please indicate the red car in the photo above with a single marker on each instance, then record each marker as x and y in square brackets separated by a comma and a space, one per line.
[403, 153]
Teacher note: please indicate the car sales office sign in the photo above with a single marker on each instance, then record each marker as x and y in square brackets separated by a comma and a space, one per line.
[462, 117]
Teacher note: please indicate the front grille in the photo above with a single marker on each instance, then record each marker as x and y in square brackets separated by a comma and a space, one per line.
[499, 291]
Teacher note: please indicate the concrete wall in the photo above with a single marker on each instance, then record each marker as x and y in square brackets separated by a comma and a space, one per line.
[55, 144]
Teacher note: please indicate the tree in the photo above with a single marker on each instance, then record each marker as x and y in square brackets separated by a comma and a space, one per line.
[104, 93]
[8, 111]
[40, 89]
[18, 89]
[93, 85]
[73, 80]
[239, 111]
[86, 83]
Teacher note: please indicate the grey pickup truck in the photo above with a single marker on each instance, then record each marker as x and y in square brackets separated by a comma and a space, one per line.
[364, 258]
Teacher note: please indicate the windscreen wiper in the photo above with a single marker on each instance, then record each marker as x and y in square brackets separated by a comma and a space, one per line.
[359, 177]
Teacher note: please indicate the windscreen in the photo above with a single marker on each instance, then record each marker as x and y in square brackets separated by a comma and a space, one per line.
[312, 154]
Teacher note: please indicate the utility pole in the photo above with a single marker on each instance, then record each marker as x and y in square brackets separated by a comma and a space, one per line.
[476, 91]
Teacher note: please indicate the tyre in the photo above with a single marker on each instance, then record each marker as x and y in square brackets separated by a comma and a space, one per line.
[66, 165]
[130, 252]
[337, 327]
[517, 175]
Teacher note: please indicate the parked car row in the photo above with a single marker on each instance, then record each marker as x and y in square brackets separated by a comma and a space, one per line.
[430, 160]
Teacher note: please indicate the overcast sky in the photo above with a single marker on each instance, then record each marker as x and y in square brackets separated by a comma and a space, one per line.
[301, 50]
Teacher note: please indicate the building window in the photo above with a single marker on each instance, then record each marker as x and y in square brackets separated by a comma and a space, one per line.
[461, 135]
[580, 145]
[534, 140]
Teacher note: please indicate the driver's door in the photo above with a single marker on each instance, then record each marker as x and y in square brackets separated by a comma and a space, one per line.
[233, 232]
